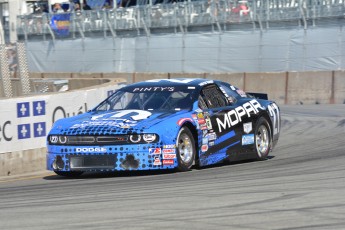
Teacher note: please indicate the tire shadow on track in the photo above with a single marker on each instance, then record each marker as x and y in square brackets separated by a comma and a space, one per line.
[148, 173]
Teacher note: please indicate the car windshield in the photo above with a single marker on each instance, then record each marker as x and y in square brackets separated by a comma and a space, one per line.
[150, 100]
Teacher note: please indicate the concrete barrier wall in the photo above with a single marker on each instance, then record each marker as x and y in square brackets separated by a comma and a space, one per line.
[339, 87]
[20, 162]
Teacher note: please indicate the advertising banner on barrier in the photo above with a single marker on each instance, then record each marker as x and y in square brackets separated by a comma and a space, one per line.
[25, 122]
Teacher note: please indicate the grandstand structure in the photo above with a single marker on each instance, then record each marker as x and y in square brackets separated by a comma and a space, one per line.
[148, 17]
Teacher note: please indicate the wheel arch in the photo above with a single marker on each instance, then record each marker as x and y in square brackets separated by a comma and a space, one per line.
[194, 132]
[268, 119]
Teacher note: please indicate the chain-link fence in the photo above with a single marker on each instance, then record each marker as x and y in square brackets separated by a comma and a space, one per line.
[13, 68]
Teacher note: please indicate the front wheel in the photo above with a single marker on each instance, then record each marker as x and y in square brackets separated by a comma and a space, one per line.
[185, 149]
[263, 138]
[68, 174]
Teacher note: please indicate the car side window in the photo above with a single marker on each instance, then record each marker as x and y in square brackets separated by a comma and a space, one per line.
[201, 103]
[231, 94]
[213, 97]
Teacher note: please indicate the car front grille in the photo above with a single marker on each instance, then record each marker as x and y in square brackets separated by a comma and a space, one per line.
[94, 162]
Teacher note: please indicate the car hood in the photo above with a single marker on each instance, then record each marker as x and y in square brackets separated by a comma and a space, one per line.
[116, 122]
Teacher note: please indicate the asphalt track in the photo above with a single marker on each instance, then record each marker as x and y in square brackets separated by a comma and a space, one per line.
[302, 186]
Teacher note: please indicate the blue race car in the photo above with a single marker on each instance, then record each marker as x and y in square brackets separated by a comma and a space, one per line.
[165, 124]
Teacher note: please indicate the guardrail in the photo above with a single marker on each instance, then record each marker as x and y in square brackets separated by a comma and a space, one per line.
[178, 16]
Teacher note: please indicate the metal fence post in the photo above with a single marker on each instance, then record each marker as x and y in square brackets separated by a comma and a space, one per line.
[5, 72]
[23, 68]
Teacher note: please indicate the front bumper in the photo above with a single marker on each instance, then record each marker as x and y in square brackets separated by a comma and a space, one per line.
[109, 158]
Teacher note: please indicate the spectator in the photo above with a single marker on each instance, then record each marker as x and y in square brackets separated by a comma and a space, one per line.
[12, 61]
[57, 8]
[86, 6]
[241, 8]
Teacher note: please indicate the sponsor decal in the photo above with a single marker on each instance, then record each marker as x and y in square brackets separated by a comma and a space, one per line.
[169, 146]
[248, 139]
[223, 91]
[168, 162]
[155, 151]
[233, 117]
[208, 123]
[204, 148]
[206, 82]
[241, 93]
[247, 127]
[154, 89]
[123, 115]
[184, 81]
[118, 124]
[203, 127]
[204, 140]
[200, 116]
[169, 150]
[201, 121]
[183, 120]
[91, 150]
[212, 136]
[211, 143]
[169, 156]
[157, 161]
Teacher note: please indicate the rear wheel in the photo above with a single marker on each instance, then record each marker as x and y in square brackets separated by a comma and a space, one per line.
[263, 138]
[186, 150]
[69, 174]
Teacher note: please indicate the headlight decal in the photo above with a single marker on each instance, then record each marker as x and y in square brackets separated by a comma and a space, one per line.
[103, 140]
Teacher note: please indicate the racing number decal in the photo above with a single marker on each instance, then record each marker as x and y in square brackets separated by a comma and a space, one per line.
[274, 112]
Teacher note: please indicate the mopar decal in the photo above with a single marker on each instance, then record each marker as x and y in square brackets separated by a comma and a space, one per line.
[233, 117]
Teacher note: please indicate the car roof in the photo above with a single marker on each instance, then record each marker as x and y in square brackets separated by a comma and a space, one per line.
[197, 82]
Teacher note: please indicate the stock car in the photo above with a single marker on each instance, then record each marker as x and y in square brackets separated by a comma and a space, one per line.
[165, 124]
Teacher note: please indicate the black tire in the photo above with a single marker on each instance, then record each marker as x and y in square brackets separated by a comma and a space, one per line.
[68, 174]
[186, 151]
[262, 138]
